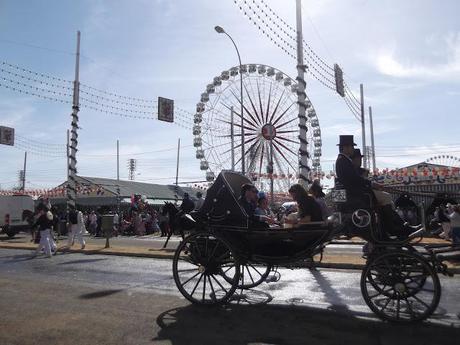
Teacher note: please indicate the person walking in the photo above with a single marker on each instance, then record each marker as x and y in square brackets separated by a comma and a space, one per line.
[455, 224]
[116, 224]
[76, 228]
[92, 223]
[445, 223]
[44, 223]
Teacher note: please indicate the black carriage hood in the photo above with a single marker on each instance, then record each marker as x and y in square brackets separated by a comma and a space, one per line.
[221, 205]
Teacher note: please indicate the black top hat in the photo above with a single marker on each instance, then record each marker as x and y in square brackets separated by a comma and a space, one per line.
[346, 140]
[357, 153]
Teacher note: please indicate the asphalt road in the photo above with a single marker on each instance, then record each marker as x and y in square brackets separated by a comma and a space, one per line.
[97, 299]
[156, 242]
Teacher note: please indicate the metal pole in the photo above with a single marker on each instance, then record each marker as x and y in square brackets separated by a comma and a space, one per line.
[243, 160]
[372, 139]
[118, 177]
[363, 125]
[232, 138]
[220, 30]
[24, 172]
[118, 160]
[301, 100]
[177, 170]
[272, 199]
[72, 182]
[68, 171]
[243, 170]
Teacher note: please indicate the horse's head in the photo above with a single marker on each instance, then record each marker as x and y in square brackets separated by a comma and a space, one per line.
[28, 215]
[169, 208]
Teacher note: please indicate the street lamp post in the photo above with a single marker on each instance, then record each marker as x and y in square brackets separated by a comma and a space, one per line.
[220, 30]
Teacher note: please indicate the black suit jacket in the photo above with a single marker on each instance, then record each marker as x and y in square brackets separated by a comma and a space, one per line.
[349, 178]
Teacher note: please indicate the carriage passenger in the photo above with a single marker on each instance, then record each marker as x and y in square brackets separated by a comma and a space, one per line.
[263, 211]
[317, 192]
[248, 198]
[309, 210]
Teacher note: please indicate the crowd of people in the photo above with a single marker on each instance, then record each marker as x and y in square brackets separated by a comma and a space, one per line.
[448, 218]
[48, 222]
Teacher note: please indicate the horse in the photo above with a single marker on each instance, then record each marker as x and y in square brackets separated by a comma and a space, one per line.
[29, 217]
[178, 221]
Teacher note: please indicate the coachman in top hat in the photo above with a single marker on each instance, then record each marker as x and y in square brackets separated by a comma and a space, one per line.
[351, 179]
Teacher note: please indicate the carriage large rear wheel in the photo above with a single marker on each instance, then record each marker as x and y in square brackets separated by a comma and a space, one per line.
[198, 266]
[400, 286]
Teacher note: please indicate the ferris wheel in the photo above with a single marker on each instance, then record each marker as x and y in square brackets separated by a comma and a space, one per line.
[446, 160]
[270, 122]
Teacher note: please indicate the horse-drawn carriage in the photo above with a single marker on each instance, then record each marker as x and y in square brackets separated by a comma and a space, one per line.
[226, 252]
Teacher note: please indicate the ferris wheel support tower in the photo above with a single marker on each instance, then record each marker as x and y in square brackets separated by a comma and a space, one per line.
[301, 98]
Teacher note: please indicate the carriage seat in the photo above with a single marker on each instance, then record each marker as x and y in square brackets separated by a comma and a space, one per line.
[305, 226]
[346, 202]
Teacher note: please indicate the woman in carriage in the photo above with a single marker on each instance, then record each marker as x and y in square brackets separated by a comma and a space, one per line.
[309, 209]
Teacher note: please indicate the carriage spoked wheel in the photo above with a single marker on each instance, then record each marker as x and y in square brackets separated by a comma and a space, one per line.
[251, 275]
[198, 266]
[418, 284]
[400, 286]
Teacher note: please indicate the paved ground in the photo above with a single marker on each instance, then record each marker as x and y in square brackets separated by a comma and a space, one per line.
[340, 254]
[99, 299]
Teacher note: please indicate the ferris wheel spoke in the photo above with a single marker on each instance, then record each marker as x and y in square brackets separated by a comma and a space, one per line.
[278, 163]
[248, 150]
[237, 125]
[261, 158]
[285, 132]
[253, 107]
[281, 171]
[282, 114]
[268, 103]
[235, 135]
[253, 161]
[284, 146]
[282, 155]
[238, 98]
[260, 102]
[286, 123]
[289, 140]
[239, 145]
[239, 115]
[276, 107]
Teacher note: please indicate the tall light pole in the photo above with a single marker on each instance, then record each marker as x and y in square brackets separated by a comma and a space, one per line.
[304, 173]
[363, 124]
[220, 30]
[72, 164]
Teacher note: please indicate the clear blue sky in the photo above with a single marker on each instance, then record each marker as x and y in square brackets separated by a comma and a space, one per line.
[406, 53]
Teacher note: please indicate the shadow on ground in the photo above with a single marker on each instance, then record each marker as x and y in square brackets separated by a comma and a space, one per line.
[82, 261]
[275, 324]
[100, 294]
[18, 258]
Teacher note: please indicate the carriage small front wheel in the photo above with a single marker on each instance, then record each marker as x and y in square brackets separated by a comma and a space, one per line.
[400, 286]
[251, 274]
[198, 266]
